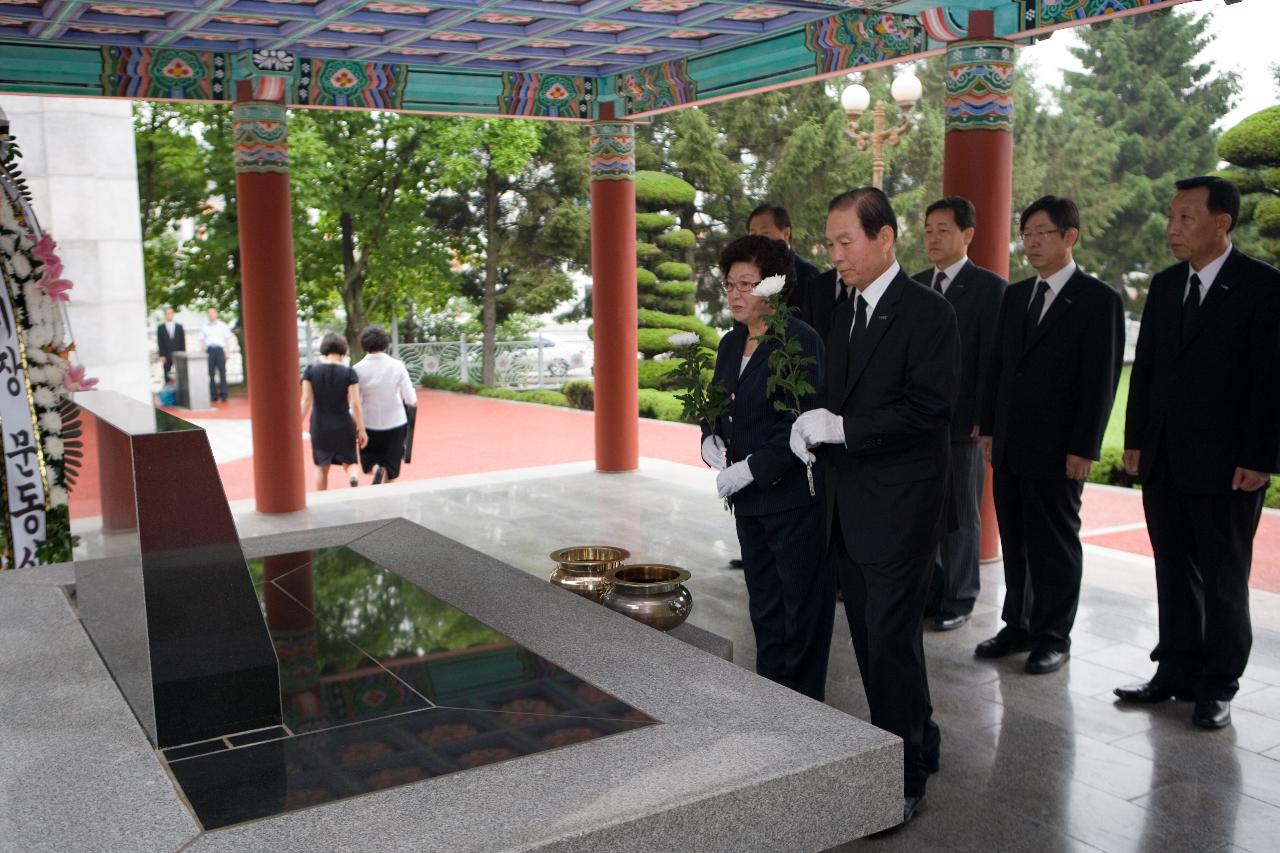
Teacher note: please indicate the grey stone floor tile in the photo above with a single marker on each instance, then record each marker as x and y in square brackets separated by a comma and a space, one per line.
[1065, 709]
[1265, 702]
[1211, 816]
[1273, 753]
[1210, 757]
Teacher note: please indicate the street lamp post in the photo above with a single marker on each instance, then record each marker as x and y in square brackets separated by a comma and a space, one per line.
[855, 99]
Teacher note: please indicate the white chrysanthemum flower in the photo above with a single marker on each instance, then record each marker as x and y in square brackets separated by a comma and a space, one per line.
[8, 243]
[51, 422]
[39, 335]
[770, 286]
[53, 447]
[682, 339]
[39, 356]
[44, 398]
[21, 266]
[57, 496]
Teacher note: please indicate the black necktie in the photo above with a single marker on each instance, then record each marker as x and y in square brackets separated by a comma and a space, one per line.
[1191, 308]
[1037, 306]
[859, 326]
[842, 294]
[938, 278]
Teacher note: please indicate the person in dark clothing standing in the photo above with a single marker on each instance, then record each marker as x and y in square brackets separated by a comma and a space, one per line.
[773, 221]
[331, 394]
[1202, 430]
[975, 294]
[170, 338]
[1046, 400]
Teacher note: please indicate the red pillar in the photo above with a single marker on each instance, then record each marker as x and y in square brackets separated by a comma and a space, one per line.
[613, 293]
[269, 310]
[978, 164]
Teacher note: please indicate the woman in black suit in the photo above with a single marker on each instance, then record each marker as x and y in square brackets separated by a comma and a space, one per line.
[790, 589]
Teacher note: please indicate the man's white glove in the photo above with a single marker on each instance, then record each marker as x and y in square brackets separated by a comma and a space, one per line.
[734, 479]
[814, 427]
[713, 452]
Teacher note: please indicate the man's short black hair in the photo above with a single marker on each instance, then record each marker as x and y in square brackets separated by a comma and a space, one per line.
[872, 205]
[374, 339]
[1061, 211]
[1224, 195]
[966, 215]
[781, 218]
[773, 257]
[333, 344]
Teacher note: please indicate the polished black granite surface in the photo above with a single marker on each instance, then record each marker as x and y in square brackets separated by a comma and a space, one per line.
[164, 592]
[382, 684]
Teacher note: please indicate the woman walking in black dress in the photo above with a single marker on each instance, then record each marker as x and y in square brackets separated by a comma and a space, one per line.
[331, 393]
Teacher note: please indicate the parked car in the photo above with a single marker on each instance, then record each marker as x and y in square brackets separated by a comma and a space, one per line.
[561, 357]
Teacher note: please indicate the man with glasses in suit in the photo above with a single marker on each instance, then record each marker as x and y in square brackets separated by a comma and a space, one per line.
[1046, 400]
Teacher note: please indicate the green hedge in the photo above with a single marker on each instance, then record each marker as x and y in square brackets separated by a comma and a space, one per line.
[656, 190]
[1267, 215]
[662, 405]
[653, 342]
[676, 288]
[645, 278]
[546, 398]
[649, 222]
[1110, 469]
[1255, 141]
[647, 251]
[1272, 498]
[678, 240]
[674, 271]
[581, 394]
[672, 305]
[682, 322]
[659, 374]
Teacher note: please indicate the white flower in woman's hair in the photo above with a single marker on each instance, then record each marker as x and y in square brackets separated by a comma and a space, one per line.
[770, 286]
[683, 339]
[53, 447]
[57, 496]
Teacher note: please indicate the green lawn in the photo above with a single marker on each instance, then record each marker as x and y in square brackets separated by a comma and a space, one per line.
[1115, 427]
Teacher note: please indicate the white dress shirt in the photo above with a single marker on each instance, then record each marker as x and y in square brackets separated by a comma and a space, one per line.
[217, 334]
[384, 389]
[1056, 282]
[950, 272]
[873, 292]
[1207, 275]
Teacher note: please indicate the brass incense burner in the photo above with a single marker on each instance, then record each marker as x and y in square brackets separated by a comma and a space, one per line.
[581, 569]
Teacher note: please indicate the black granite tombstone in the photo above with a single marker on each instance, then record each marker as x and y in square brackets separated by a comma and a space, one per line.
[162, 587]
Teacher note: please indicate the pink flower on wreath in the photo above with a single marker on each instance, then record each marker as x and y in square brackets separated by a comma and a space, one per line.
[75, 380]
[44, 248]
[56, 289]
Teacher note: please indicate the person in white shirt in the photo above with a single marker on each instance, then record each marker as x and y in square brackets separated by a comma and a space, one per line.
[217, 339]
[385, 389]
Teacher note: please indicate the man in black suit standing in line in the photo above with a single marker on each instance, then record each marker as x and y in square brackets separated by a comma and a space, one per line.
[773, 221]
[1053, 376]
[893, 362]
[1201, 430]
[975, 295]
[169, 339]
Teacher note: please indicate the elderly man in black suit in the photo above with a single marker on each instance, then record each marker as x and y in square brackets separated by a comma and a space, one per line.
[170, 338]
[883, 438]
[1201, 430]
[975, 295]
[1046, 401]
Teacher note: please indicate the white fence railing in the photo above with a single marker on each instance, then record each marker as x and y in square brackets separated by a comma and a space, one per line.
[539, 363]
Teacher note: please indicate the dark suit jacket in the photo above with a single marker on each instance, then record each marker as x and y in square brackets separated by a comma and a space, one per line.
[1051, 395]
[975, 295]
[168, 346]
[819, 306]
[753, 427]
[895, 394]
[1211, 404]
[805, 274]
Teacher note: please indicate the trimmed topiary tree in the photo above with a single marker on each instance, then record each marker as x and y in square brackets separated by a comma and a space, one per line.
[1252, 148]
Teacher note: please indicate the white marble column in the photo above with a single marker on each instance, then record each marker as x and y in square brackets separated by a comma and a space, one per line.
[80, 163]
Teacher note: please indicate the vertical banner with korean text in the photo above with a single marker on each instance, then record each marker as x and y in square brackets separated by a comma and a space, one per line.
[22, 460]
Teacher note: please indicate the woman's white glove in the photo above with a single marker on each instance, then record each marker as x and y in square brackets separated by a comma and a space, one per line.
[713, 452]
[734, 479]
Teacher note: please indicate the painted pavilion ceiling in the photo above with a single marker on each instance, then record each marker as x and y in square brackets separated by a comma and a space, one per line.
[551, 58]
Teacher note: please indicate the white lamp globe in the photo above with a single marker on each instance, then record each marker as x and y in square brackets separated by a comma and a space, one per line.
[906, 89]
[855, 99]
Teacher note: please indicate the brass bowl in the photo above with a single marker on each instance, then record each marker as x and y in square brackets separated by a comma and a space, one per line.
[651, 593]
[581, 568]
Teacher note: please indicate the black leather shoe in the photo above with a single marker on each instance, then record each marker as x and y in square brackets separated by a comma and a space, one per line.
[1212, 713]
[735, 563]
[1001, 645]
[932, 760]
[1041, 662]
[949, 621]
[1152, 693]
[910, 807]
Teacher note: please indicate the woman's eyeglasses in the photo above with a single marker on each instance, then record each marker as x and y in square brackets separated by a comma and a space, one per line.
[740, 286]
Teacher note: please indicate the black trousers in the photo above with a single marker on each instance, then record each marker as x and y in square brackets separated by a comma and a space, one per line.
[956, 580]
[1204, 551]
[884, 603]
[1043, 561]
[217, 373]
[790, 596]
[167, 362]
